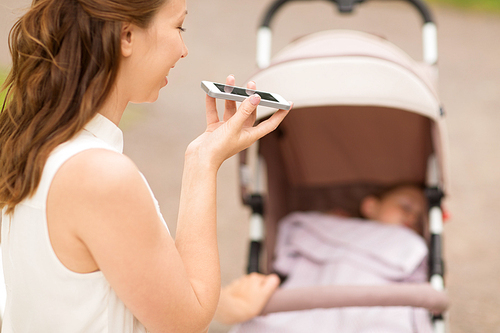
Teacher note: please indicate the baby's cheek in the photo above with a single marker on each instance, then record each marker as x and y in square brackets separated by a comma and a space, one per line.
[396, 218]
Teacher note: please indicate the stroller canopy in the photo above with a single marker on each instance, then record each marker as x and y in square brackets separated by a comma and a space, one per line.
[342, 67]
[364, 111]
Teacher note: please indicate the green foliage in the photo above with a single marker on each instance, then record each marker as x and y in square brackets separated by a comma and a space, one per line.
[3, 76]
[483, 5]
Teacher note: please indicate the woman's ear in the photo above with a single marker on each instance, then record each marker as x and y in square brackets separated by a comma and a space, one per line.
[126, 39]
[369, 207]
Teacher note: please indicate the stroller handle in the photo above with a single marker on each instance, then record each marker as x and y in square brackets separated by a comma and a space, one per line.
[346, 6]
[335, 296]
[429, 30]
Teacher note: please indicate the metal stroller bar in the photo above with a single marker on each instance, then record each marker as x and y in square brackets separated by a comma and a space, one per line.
[434, 196]
[436, 265]
[345, 6]
[334, 296]
[252, 196]
[429, 31]
[256, 202]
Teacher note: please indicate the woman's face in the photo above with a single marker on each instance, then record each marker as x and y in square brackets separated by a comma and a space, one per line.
[149, 54]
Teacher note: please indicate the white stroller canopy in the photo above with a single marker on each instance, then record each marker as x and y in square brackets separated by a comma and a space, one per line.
[349, 72]
[342, 67]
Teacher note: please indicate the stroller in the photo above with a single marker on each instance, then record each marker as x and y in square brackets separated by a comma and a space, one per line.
[366, 116]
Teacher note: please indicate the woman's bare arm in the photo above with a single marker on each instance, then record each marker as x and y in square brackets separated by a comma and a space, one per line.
[109, 221]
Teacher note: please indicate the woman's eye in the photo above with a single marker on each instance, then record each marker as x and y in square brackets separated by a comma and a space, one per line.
[182, 29]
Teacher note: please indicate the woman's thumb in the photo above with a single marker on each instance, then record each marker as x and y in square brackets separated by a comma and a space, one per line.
[247, 107]
[272, 282]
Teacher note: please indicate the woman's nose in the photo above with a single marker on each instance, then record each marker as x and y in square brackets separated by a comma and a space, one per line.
[184, 52]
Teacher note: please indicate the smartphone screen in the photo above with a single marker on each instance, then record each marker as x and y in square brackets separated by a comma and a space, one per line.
[244, 92]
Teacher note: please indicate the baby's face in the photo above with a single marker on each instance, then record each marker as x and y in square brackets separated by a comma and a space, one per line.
[405, 206]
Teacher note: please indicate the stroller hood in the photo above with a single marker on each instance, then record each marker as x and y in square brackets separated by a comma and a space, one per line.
[341, 80]
[341, 67]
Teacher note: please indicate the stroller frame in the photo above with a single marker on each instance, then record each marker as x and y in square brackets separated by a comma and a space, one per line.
[253, 172]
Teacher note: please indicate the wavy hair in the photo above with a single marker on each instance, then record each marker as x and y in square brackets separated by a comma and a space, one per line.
[65, 60]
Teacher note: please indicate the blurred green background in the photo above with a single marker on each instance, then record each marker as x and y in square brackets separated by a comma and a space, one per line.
[484, 5]
[3, 76]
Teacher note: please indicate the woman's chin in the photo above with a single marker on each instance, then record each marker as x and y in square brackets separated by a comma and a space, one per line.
[150, 99]
[153, 98]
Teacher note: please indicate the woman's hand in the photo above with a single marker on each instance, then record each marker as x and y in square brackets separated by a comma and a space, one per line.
[223, 139]
[196, 233]
[245, 298]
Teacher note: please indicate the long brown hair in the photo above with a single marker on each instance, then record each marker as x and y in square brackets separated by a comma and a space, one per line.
[65, 59]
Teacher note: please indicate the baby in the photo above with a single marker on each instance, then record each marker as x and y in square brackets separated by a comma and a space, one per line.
[245, 297]
[403, 205]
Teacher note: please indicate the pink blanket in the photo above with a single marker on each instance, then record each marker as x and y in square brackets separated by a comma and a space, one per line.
[317, 249]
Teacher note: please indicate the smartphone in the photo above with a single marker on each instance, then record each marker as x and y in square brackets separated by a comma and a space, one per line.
[238, 94]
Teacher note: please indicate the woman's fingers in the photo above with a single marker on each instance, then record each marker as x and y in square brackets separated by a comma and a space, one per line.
[211, 109]
[251, 85]
[230, 106]
[237, 131]
[251, 120]
[271, 283]
[268, 285]
[258, 290]
[245, 111]
[270, 124]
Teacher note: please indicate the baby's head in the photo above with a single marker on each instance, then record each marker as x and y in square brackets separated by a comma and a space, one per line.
[404, 205]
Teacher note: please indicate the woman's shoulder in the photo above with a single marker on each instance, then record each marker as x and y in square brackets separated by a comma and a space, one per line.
[97, 169]
[81, 162]
[95, 185]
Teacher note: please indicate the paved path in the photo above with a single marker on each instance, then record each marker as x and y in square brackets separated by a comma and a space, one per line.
[221, 40]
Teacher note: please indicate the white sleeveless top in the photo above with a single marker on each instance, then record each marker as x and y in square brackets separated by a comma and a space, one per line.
[42, 294]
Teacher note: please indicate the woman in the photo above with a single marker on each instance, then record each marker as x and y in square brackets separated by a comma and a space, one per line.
[85, 248]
